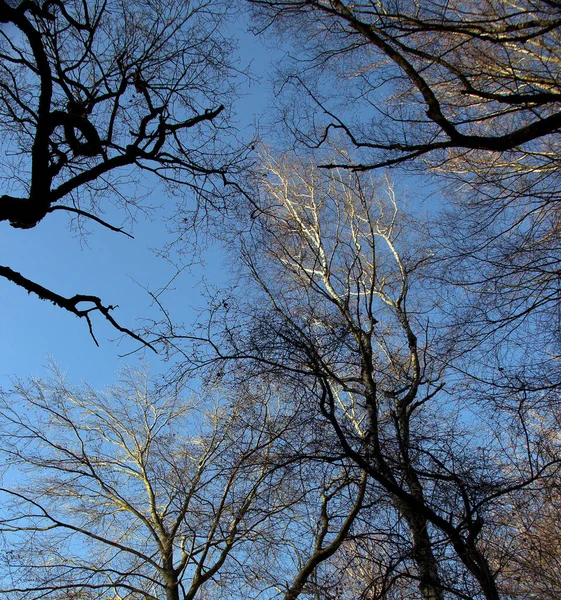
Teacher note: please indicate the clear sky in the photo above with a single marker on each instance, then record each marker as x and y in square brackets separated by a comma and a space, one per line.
[106, 264]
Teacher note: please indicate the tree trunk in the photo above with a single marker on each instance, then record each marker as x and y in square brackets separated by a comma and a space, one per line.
[172, 590]
[429, 579]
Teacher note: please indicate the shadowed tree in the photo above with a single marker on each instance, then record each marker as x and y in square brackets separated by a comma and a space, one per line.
[337, 301]
[434, 80]
[467, 92]
[93, 93]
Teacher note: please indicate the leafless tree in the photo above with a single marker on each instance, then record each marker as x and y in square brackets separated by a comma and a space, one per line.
[134, 493]
[526, 542]
[469, 93]
[143, 493]
[91, 94]
[333, 302]
[330, 531]
[324, 253]
[438, 78]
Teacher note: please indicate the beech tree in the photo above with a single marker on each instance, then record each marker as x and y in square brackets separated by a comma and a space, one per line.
[526, 542]
[466, 93]
[394, 428]
[94, 93]
[440, 80]
[143, 493]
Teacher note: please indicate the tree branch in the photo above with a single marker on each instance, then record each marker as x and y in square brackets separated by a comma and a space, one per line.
[72, 304]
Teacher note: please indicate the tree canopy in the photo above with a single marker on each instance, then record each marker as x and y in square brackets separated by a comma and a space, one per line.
[369, 409]
[94, 93]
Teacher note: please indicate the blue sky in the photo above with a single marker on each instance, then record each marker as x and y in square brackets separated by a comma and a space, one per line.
[106, 264]
[111, 266]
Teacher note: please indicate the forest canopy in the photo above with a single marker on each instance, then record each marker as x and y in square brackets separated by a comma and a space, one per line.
[366, 407]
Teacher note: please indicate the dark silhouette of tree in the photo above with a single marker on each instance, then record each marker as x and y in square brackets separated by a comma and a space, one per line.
[336, 302]
[442, 79]
[92, 93]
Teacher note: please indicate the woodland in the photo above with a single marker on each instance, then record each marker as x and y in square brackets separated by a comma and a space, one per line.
[367, 409]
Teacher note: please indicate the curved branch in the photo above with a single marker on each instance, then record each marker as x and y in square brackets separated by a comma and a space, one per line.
[88, 215]
[323, 553]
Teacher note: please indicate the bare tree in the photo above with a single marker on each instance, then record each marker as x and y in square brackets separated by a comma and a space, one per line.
[131, 494]
[529, 555]
[334, 302]
[93, 92]
[436, 78]
[330, 531]
[324, 253]
[526, 542]
[468, 92]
